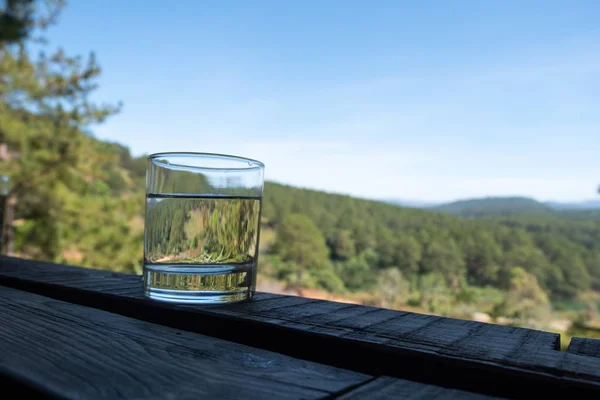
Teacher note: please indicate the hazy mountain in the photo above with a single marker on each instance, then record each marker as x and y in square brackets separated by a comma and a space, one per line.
[495, 206]
[510, 206]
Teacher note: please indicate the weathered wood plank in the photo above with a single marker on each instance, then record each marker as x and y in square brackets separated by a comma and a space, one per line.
[80, 352]
[585, 347]
[448, 352]
[388, 388]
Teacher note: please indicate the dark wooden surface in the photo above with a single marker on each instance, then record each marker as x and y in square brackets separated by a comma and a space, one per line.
[75, 351]
[439, 357]
[385, 387]
[585, 347]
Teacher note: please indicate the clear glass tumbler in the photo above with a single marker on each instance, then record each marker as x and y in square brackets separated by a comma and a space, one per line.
[202, 227]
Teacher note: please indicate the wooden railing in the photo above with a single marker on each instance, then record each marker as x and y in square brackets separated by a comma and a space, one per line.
[71, 332]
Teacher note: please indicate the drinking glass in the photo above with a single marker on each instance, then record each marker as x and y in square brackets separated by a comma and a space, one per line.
[202, 227]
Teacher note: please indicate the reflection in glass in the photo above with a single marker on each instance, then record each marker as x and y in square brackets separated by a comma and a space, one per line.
[202, 227]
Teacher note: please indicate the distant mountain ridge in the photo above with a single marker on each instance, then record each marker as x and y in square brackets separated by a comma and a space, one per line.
[513, 206]
[508, 206]
[495, 206]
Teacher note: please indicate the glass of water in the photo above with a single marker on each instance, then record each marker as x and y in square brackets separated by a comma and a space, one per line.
[202, 227]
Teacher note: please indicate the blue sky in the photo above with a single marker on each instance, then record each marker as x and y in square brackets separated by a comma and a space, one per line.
[428, 100]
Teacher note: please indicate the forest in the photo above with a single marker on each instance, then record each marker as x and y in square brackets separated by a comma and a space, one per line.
[362, 237]
[80, 200]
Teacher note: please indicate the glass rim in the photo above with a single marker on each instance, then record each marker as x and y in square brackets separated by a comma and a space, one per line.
[252, 163]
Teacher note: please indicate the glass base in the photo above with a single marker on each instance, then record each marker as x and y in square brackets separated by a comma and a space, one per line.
[183, 296]
[199, 284]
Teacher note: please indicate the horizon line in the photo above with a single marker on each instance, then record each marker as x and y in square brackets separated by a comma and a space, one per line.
[435, 202]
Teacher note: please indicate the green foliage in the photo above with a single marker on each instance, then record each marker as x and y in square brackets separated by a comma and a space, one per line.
[436, 297]
[300, 243]
[525, 302]
[442, 255]
[19, 18]
[365, 236]
[482, 256]
[408, 254]
[357, 272]
[74, 199]
[392, 287]
[342, 245]
[325, 277]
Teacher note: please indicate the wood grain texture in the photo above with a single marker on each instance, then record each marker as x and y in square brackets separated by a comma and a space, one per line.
[387, 388]
[79, 352]
[493, 359]
[585, 347]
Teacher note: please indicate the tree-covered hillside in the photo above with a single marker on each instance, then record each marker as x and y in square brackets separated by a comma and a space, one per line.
[366, 237]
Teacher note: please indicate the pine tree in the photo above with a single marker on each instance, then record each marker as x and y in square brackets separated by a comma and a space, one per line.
[45, 114]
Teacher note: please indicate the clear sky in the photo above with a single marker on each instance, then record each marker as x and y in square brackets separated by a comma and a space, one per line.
[428, 100]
